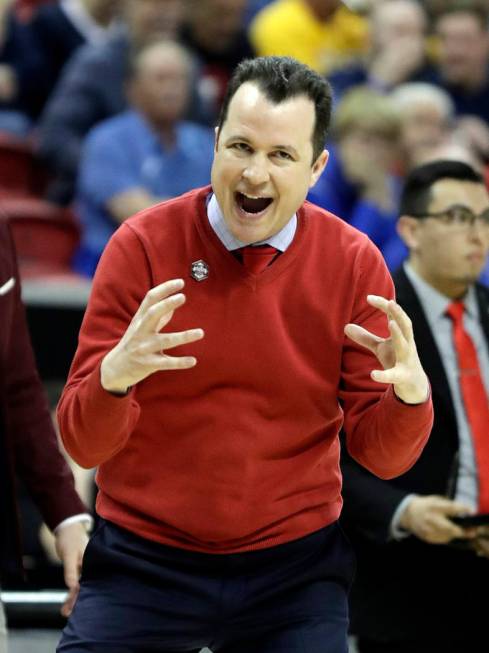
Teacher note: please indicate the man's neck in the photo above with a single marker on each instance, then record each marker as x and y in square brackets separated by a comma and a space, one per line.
[451, 288]
[101, 17]
[166, 133]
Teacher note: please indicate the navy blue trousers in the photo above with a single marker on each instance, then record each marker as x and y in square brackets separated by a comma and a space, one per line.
[138, 596]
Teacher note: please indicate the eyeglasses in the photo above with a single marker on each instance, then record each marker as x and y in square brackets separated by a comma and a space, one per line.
[459, 217]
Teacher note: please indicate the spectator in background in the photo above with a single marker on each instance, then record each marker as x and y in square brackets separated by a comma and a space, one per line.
[397, 51]
[415, 592]
[57, 29]
[144, 155]
[214, 31]
[91, 88]
[324, 34]
[463, 70]
[15, 63]
[427, 120]
[362, 185]
[28, 443]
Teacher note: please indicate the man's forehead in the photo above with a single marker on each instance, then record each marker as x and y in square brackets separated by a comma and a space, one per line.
[250, 107]
[446, 192]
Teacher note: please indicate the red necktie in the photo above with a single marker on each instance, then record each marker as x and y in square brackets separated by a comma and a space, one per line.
[475, 399]
[257, 258]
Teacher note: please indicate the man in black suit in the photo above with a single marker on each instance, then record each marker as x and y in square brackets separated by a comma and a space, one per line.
[419, 574]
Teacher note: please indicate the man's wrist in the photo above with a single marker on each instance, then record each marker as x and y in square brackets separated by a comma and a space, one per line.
[108, 383]
[413, 396]
[400, 523]
[84, 519]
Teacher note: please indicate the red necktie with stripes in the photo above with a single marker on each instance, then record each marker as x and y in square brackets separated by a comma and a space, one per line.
[475, 399]
[257, 258]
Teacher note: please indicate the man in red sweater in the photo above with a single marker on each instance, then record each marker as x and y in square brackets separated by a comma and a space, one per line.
[218, 463]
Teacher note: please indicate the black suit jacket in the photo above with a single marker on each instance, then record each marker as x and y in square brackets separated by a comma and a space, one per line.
[28, 442]
[407, 589]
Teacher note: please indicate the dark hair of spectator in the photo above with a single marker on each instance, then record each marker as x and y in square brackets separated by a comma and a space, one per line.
[280, 79]
[416, 194]
[478, 8]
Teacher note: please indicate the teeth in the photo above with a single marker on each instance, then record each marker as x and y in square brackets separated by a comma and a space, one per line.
[254, 197]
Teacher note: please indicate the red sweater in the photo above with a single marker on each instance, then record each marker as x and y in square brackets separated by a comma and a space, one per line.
[242, 451]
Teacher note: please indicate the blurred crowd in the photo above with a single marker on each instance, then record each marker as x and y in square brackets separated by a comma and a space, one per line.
[111, 97]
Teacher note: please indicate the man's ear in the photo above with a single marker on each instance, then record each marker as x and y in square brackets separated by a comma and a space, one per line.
[318, 167]
[216, 138]
[408, 229]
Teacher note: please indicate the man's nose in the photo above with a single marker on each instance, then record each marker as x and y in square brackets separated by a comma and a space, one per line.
[256, 172]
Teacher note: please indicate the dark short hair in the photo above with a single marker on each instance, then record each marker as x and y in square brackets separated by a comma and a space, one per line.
[416, 193]
[282, 78]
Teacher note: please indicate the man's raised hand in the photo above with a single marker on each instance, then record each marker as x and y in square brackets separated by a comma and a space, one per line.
[141, 350]
[397, 354]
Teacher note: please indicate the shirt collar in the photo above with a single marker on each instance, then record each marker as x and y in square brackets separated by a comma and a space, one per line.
[435, 300]
[280, 240]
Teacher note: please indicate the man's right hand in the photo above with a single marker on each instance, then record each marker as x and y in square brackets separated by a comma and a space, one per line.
[428, 517]
[141, 351]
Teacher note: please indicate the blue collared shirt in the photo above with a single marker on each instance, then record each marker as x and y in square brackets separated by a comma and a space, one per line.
[124, 153]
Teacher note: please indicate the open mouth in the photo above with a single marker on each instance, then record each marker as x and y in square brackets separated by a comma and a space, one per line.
[253, 205]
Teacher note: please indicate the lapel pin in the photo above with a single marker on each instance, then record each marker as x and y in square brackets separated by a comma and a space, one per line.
[199, 270]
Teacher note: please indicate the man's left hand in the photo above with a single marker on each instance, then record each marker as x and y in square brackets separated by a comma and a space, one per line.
[71, 541]
[397, 354]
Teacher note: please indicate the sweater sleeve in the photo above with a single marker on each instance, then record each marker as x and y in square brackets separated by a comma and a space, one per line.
[383, 434]
[38, 460]
[95, 424]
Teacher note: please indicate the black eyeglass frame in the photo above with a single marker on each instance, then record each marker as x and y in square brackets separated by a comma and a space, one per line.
[482, 218]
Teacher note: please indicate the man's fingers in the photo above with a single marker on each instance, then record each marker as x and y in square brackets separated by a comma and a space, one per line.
[393, 312]
[163, 362]
[155, 315]
[162, 291]
[362, 337]
[386, 376]
[398, 340]
[163, 341]
[402, 319]
[67, 607]
[71, 569]
[379, 302]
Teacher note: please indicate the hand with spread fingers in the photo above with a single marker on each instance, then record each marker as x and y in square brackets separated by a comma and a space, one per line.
[397, 354]
[141, 350]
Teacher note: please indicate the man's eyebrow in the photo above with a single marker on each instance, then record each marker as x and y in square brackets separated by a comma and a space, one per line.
[244, 139]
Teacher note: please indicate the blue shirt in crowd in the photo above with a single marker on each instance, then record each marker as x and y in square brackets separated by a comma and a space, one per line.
[124, 153]
[337, 194]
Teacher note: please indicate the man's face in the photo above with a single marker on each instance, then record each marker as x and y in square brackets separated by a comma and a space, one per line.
[424, 127]
[160, 89]
[464, 47]
[150, 19]
[448, 255]
[263, 166]
[395, 21]
[216, 23]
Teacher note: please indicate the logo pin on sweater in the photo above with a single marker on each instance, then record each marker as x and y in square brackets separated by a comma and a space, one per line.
[199, 270]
